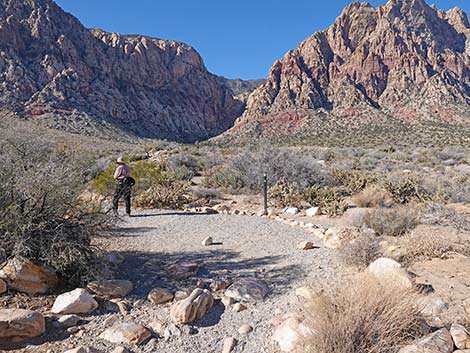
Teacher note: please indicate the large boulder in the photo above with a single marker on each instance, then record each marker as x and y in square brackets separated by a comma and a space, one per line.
[193, 307]
[28, 277]
[389, 271]
[18, 325]
[111, 288]
[247, 289]
[78, 301]
[126, 333]
[437, 342]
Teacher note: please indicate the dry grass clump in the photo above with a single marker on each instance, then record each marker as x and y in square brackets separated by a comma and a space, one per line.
[361, 252]
[359, 314]
[392, 222]
[372, 196]
[437, 214]
[419, 246]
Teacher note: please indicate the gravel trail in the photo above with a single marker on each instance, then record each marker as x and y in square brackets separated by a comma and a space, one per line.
[245, 246]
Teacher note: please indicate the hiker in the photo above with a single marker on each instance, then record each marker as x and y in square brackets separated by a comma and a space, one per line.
[122, 175]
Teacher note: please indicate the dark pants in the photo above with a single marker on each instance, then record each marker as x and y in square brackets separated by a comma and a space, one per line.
[122, 190]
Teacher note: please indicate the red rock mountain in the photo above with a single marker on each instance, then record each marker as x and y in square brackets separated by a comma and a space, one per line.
[56, 71]
[404, 62]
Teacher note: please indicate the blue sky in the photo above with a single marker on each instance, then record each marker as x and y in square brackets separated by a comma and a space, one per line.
[236, 38]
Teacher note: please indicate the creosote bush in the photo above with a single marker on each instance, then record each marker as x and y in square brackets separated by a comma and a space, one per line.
[361, 252]
[392, 222]
[360, 314]
[42, 216]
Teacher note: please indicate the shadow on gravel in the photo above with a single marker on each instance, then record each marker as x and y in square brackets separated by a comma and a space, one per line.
[170, 214]
[148, 270]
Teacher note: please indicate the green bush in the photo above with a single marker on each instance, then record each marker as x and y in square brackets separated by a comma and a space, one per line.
[224, 178]
[283, 194]
[405, 188]
[329, 199]
[352, 181]
[42, 214]
[392, 222]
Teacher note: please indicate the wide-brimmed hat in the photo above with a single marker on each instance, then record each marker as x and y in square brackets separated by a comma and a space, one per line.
[120, 160]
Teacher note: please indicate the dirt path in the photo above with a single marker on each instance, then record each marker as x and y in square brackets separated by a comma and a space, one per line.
[245, 246]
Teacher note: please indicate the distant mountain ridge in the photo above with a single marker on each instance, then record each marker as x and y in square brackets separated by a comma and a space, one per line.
[398, 65]
[54, 70]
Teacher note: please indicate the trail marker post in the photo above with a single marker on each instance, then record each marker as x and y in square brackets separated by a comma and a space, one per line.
[265, 193]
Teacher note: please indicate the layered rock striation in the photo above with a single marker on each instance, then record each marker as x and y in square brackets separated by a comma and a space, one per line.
[56, 71]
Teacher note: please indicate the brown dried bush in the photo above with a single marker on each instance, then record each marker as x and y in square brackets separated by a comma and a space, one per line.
[429, 245]
[359, 314]
[392, 222]
[360, 252]
[372, 196]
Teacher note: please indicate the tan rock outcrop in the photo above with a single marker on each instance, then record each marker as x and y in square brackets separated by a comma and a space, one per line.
[18, 325]
[28, 277]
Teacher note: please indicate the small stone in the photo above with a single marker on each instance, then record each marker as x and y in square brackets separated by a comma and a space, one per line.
[229, 345]
[157, 326]
[181, 294]
[82, 349]
[77, 301]
[3, 286]
[245, 329]
[127, 333]
[160, 295]
[238, 307]
[220, 284]
[69, 320]
[171, 330]
[120, 350]
[312, 212]
[461, 336]
[111, 288]
[319, 233]
[193, 307]
[437, 342]
[227, 301]
[248, 289]
[306, 245]
[208, 241]
[123, 307]
[291, 210]
[182, 270]
[304, 292]
[73, 330]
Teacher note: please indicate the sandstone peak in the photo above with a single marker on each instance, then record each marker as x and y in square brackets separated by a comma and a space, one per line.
[400, 62]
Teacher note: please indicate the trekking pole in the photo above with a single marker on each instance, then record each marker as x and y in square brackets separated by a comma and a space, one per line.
[265, 193]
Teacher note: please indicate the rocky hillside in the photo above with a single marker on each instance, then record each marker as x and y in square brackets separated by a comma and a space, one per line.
[398, 66]
[56, 71]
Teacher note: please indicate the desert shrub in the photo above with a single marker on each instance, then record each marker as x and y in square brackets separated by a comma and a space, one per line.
[425, 246]
[225, 178]
[185, 165]
[329, 199]
[452, 153]
[42, 216]
[437, 214]
[283, 194]
[352, 181]
[361, 252]
[405, 188]
[166, 193]
[295, 167]
[372, 196]
[208, 194]
[360, 314]
[392, 222]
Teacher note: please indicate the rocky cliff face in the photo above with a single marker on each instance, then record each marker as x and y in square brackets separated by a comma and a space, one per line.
[89, 81]
[402, 62]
